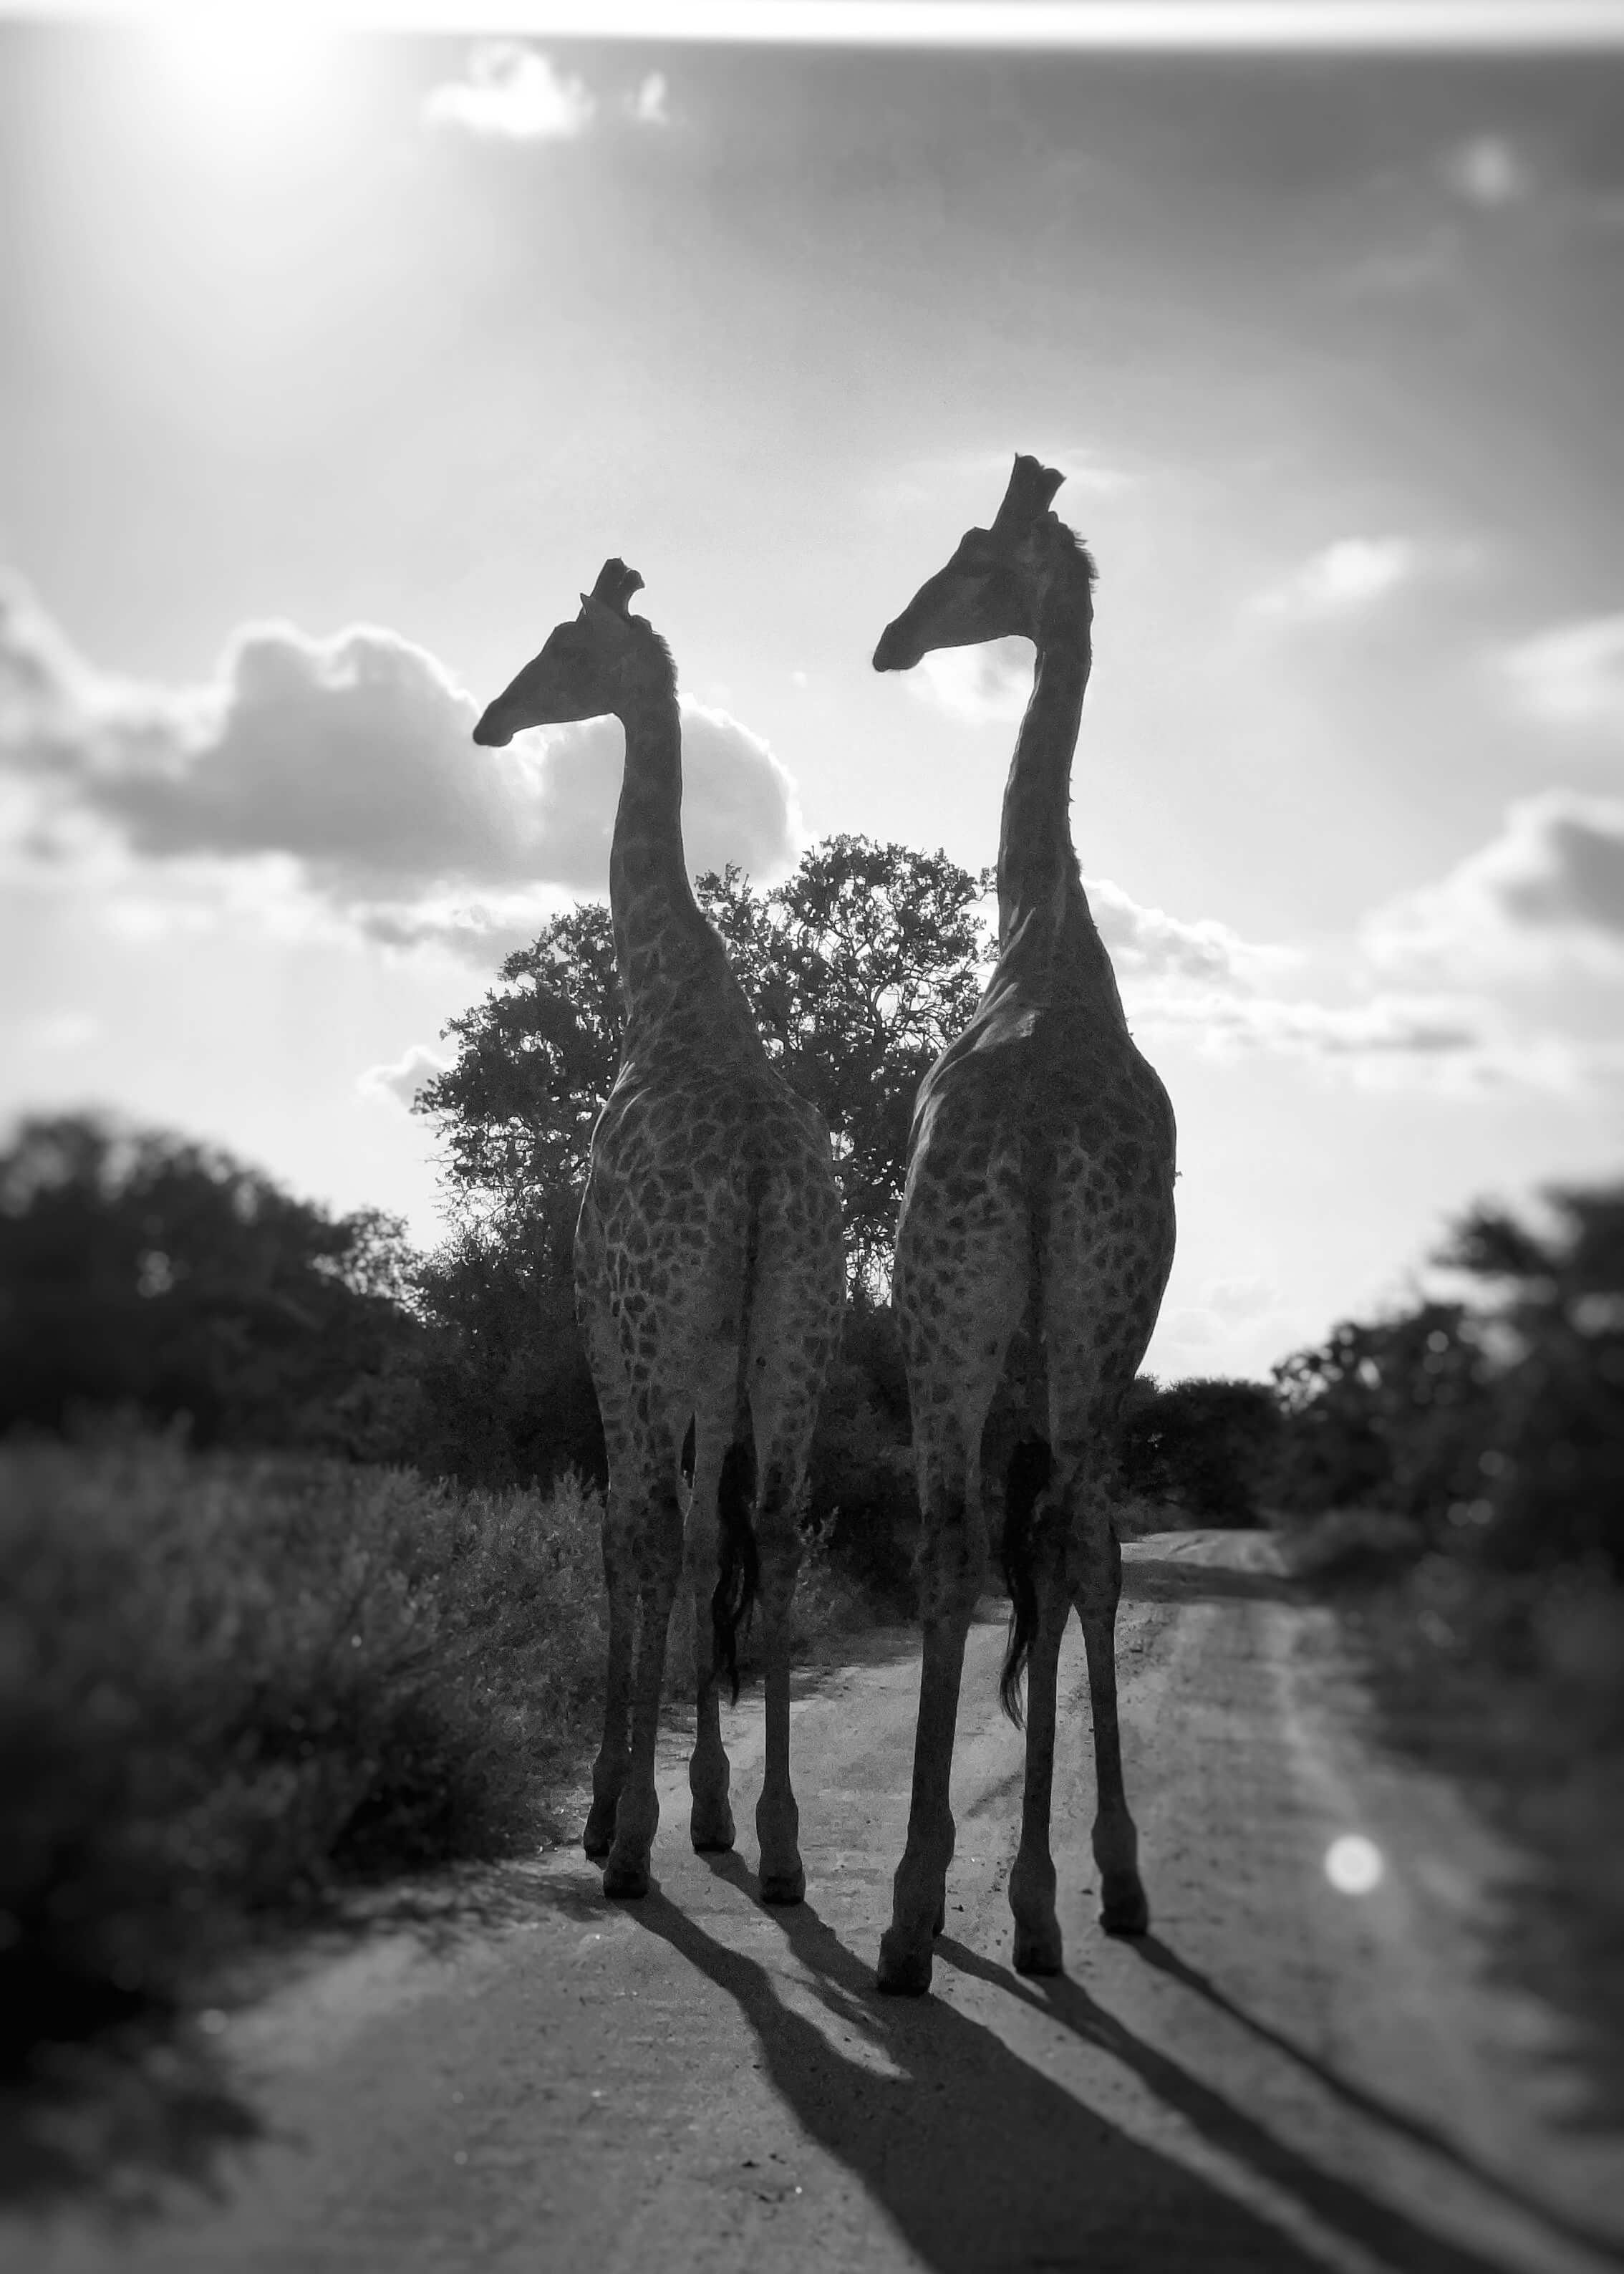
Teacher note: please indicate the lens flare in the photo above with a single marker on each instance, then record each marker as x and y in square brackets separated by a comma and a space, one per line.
[1353, 1865]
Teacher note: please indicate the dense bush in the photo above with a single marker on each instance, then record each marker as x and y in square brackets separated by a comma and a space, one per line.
[1493, 1426]
[1205, 1446]
[139, 1269]
[227, 1685]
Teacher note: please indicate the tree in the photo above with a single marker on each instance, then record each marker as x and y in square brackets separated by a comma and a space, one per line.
[535, 1062]
[1391, 1414]
[1551, 1482]
[139, 1269]
[859, 968]
[1204, 1444]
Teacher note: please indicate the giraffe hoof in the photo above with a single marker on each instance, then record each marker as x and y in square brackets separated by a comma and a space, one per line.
[1123, 1910]
[784, 1888]
[938, 1925]
[1041, 1952]
[902, 1973]
[598, 1837]
[627, 1880]
[712, 1835]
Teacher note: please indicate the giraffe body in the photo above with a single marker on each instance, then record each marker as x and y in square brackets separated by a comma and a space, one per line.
[709, 1277]
[1033, 1245]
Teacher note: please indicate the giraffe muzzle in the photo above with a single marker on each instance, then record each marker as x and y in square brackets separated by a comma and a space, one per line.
[899, 649]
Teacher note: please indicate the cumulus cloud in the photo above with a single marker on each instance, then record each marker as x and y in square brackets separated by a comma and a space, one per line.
[1487, 170]
[646, 104]
[1240, 1298]
[989, 682]
[401, 1080]
[512, 92]
[1343, 579]
[1149, 944]
[1549, 887]
[1572, 675]
[349, 762]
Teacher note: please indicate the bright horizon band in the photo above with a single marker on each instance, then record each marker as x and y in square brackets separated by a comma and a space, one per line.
[1010, 26]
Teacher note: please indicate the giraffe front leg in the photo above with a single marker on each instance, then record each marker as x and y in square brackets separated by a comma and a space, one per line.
[777, 1819]
[1096, 1589]
[609, 1770]
[637, 1817]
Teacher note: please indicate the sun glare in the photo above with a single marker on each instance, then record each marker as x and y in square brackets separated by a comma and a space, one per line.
[245, 73]
[1353, 1865]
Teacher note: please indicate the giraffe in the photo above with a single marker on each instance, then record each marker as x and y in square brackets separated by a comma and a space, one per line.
[710, 1276]
[1033, 1244]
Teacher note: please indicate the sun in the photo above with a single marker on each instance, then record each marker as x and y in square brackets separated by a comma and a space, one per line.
[245, 73]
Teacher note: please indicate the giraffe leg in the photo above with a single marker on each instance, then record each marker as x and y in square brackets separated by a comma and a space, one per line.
[952, 1566]
[626, 1490]
[795, 1323]
[637, 1817]
[1096, 1559]
[777, 1819]
[609, 1770]
[711, 1824]
[1038, 1948]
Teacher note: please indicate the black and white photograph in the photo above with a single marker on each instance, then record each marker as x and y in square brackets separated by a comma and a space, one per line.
[811, 1136]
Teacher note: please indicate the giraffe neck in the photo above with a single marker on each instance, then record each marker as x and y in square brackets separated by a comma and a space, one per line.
[673, 967]
[1045, 928]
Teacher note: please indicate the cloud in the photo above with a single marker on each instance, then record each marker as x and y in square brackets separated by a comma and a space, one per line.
[1572, 675]
[1240, 1298]
[648, 102]
[978, 685]
[402, 1080]
[1550, 887]
[513, 92]
[1486, 170]
[349, 762]
[1342, 580]
[1149, 944]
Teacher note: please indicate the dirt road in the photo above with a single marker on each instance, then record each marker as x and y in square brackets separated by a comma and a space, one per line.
[1283, 2077]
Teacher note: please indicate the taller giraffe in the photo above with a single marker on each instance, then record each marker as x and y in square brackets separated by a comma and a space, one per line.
[1033, 1245]
[709, 1273]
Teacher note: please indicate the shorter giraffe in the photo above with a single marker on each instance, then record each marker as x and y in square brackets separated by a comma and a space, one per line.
[1035, 1241]
[709, 1274]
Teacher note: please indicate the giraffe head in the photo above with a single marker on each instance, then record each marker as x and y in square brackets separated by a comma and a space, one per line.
[1001, 582]
[587, 668]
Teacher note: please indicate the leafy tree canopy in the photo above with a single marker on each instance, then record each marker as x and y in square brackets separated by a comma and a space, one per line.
[859, 967]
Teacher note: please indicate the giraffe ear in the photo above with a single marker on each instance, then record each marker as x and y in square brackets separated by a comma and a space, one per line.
[611, 624]
[1032, 486]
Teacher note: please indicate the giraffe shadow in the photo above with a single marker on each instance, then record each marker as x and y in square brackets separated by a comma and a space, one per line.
[984, 2164]
[1389, 2234]
[1431, 2137]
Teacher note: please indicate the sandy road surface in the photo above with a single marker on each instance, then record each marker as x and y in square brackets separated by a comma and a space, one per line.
[1281, 2078]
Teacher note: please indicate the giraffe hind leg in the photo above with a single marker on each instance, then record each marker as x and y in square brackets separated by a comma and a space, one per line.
[710, 1823]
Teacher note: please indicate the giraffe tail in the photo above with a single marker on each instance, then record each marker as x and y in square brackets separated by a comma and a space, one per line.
[1028, 1472]
[738, 1564]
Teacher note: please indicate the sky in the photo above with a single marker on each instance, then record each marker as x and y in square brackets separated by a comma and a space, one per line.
[332, 367]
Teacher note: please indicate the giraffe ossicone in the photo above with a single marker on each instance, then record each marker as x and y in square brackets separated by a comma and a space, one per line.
[1033, 1244]
[710, 1274]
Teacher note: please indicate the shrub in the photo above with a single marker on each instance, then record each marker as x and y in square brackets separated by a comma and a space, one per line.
[229, 1685]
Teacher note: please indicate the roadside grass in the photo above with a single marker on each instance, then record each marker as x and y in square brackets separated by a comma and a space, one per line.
[1513, 1683]
[235, 1691]
[231, 1688]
